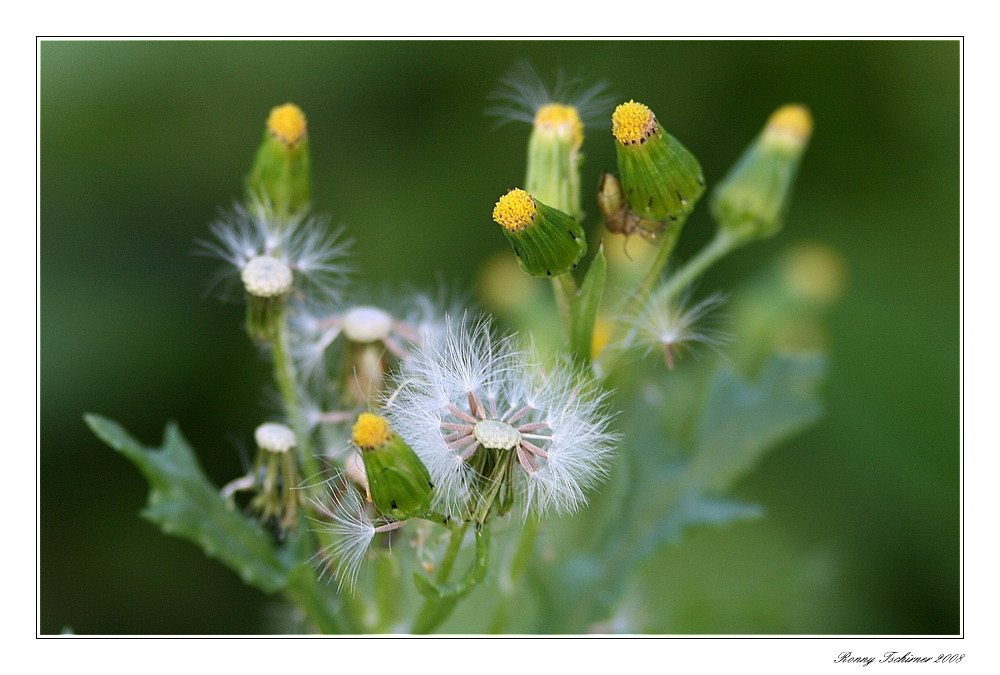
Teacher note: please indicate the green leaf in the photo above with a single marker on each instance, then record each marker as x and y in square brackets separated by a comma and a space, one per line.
[585, 304]
[184, 503]
[741, 420]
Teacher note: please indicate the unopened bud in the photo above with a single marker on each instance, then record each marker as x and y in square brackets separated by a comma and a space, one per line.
[546, 241]
[554, 158]
[399, 482]
[660, 179]
[280, 173]
[751, 201]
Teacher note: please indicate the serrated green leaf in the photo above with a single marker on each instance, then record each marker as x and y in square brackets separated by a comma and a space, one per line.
[741, 420]
[585, 304]
[184, 503]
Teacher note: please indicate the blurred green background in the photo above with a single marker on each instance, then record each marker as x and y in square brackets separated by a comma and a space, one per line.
[142, 142]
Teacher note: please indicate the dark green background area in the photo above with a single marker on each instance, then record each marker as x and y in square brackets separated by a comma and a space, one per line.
[142, 142]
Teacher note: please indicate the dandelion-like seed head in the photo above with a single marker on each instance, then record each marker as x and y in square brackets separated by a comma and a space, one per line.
[515, 210]
[266, 277]
[568, 104]
[671, 324]
[304, 245]
[346, 518]
[633, 123]
[493, 426]
[288, 123]
[274, 437]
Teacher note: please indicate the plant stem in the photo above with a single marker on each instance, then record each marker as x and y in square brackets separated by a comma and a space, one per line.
[511, 577]
[565, 289]
[434, 612]
[285, 377]
[451, 554]
[719, 247]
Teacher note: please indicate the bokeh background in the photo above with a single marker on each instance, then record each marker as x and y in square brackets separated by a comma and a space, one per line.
[142, 142]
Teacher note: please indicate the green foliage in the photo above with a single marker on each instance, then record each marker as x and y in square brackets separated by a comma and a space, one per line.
[185, 504]
[584, 308]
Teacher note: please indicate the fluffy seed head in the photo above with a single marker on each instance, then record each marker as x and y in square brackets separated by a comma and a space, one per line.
[367, 324]
[633, 123]
[274, 437]
[670, 324]
[306, 246]
[471, 401]
[370, 431]
[266, 277]
[515, 210]
[288, 123]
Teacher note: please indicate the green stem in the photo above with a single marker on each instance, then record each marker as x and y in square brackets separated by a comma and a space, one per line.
[441, 598]
[451, 554]
[565, 289]
[716, 249]
[667, 245]
[510, 579]
[321, 607]
[285, 377]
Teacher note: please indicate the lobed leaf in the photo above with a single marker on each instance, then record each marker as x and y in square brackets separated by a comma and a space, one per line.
[184, 503]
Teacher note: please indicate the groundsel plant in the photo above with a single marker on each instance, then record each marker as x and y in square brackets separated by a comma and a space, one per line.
[423, 456]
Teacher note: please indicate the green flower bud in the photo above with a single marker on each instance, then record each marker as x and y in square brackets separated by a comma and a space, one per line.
[554, 158]
[752, 199]
[660, 178]
[398, 481]
[547, 242]
[280, 174]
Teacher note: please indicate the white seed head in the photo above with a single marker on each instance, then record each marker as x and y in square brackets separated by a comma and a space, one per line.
[266, 277]
[468, 388]
[496, 435]
[367, 324]
[274, 437]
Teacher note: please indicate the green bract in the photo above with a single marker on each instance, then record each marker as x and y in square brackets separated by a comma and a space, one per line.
[547, 242]
[280, 173]
[753, 197]
[660, 178]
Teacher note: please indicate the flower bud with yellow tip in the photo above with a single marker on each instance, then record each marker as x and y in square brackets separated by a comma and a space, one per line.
[546, 241]
[660, 179]
[751, 201]
[398, 481]
[280, 174]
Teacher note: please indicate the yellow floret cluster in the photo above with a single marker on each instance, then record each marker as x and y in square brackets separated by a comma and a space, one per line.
[515, 210]
[633, 123]
[790, 125]
[560, 119]
[370, 431]
[288, 123]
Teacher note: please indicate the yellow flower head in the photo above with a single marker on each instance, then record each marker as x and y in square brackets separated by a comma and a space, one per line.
[370, 431]
[515, 210]
[633, 123]
[789, 126]
[288, 123]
